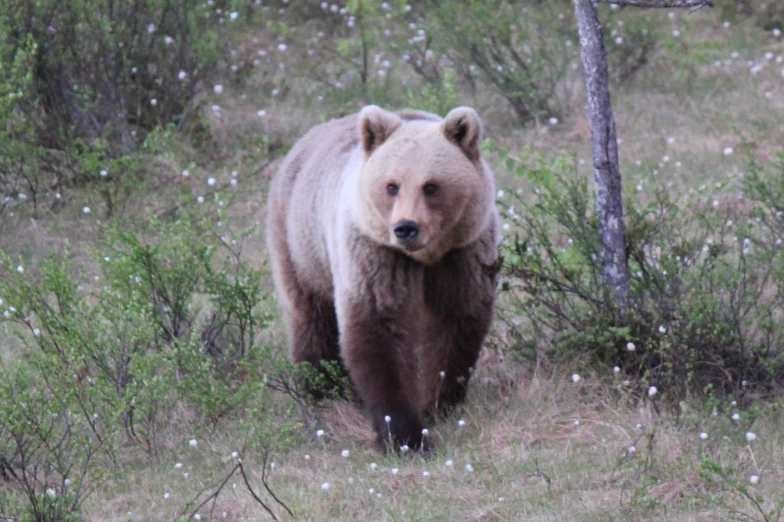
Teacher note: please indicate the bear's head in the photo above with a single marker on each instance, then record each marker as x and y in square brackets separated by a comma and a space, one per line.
[423, 185]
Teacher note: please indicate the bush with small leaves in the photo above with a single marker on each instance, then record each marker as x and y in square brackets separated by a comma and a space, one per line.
[705, 296]
[171, 322]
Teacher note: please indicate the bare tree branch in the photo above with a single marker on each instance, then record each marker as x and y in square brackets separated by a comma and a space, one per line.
[672, 4]
[604, 145]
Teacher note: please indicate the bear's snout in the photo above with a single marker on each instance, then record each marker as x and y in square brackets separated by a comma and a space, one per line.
[406, 231]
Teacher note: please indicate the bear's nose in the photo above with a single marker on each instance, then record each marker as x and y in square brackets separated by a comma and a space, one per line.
[406, 230]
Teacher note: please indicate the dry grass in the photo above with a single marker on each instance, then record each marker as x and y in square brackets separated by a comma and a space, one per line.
[578, 435]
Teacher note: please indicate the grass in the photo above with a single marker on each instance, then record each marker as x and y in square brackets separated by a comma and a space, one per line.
[544, 449]
[541, 447]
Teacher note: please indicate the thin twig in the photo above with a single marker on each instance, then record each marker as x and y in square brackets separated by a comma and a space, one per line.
[672, 4]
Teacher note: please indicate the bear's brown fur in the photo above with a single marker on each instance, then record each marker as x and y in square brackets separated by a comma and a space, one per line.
[383, 238]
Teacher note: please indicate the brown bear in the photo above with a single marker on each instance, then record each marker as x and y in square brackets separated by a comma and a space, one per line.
[383, 240]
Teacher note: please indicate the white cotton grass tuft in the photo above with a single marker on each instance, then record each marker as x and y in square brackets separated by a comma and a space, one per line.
[576, 377]
[750, 436]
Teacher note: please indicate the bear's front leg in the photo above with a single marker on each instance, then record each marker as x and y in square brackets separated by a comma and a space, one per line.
[459, 298]
[380, 322]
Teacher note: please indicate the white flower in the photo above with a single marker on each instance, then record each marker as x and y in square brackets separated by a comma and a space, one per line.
[425, 473]
[262, 112]
[350, 480]
[754, 479]
[210, 181]
[193, 443]
[51, 492]
[185, 474]
[218, 88]
[234, 454]
[505, 226]
[404, 448]
[652, 391]
[178, 465]
[307, 457]
[325, 486]
[394, 471]
[103, 173]
[662, 329]
[469, 467]
[619, 40]
[20, 269]
[373, 465]
[168, 40]
[319, 433]
[461, 422]
[196, 517]
[448, 463]
[281, 47]
[728, 151]
[553, 121]
[233, 15]
[632, 449]
[151, 28]
[630, 347]
[500, 194]
[186, 173]
[387, 418]
[86, 210]
[575, 377]
[616, 369]
[181, 75]
[703, 435]
[424, 432]
[154, 102]
[165, 496]
[371, 491]
[750, 436]
[735, 416]
[36, 332]
[344, 453]
[200, 199]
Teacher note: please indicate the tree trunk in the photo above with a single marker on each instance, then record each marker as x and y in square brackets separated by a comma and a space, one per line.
[604, 144]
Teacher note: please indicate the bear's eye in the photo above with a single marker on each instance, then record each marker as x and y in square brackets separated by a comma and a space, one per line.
[392, 189]
[430, 189]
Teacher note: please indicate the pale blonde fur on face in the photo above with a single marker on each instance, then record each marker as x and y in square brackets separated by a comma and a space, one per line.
[444, 155]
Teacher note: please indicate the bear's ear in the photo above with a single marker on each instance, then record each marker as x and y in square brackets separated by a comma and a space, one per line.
[375, 126]
[463, 127]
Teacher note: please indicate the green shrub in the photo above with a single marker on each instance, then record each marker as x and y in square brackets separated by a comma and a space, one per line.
[705, 288]
[171, 323]
[520, 51]
[85, 82]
